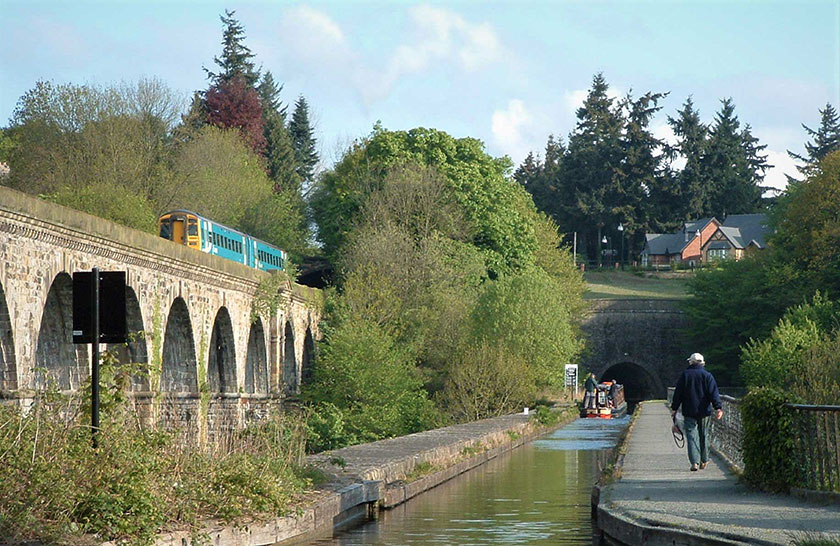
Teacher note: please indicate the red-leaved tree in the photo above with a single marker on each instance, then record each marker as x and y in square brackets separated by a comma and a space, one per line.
[235, 104]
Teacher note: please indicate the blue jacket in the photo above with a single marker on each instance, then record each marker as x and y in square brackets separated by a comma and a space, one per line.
[696, 390]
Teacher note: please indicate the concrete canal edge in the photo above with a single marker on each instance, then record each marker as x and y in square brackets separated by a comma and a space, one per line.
[377, 476]
[617, 528]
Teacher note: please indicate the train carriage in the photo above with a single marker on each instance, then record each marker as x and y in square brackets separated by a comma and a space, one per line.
[195, 231]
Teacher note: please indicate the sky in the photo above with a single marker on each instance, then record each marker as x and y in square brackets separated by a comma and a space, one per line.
[508, 73]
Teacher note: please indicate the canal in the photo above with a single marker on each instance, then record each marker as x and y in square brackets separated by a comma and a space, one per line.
[536, 494]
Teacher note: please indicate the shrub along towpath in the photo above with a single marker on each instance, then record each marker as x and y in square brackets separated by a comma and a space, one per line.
[658, 501]
[365, 478]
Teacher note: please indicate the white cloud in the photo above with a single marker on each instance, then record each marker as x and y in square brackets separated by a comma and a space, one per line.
[782, 165]
[508, 127]
[310, 35]
[574, 99]
[438, 36]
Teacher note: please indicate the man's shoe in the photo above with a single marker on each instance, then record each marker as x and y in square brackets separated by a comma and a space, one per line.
[693, 468]
[704, 465]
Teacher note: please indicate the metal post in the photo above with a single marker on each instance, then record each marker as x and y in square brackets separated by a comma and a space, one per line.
[94, 369]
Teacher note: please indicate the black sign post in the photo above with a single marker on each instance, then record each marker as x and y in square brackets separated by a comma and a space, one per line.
[89, 289]
[94, 367]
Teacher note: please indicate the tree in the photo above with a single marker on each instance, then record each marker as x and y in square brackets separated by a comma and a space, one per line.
[499, 212]
[220, 177]
[233, 104]
[826, 139]
[645, 197]
[693, 186]
[236, 56]
[591, 166]
[303, 141]
[733, 167]
[279, 150]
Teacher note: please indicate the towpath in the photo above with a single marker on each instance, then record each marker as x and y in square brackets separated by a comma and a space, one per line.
[658, 500]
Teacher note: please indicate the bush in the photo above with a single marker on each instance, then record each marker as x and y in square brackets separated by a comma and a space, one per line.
[769, 439]
[55, 488]
[486, 381]
[363, 372]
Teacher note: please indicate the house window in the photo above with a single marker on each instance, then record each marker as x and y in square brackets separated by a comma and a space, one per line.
[718, 253]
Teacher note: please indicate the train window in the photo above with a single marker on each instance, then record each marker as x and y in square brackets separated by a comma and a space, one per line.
[192, 227]
[166, 229]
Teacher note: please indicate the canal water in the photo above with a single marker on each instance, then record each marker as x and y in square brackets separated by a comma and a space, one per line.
[536, 494]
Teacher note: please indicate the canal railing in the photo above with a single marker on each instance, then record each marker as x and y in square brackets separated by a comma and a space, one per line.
[816, 439]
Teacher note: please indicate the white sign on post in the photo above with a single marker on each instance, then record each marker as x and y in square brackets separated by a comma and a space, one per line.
[571, 375]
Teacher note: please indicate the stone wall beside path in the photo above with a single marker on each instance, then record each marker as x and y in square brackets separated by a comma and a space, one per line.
[368, 477]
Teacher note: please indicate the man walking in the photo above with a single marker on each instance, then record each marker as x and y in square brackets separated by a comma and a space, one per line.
[696, 392]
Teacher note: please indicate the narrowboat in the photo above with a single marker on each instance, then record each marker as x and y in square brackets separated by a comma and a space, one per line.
[607, 402]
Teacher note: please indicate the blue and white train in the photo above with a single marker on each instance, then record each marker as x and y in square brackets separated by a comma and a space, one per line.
[195, 231]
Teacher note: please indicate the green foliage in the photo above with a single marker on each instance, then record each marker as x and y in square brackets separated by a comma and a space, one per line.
[544, 416]
[362, 371]
[499, 212]
[303, 141]
[736, 302]
[530, 315]
[798, 355]
[236, 56]
[769, 439]
[270, 295]
[485, 381]
[326, 428]
[54, 487]
[7, 145]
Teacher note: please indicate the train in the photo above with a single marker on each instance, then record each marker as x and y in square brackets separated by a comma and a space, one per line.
[195, 231]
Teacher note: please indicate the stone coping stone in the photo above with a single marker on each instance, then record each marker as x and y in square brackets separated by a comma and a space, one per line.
[377, 476]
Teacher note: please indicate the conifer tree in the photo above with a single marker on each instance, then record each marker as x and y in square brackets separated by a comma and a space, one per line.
[595, 153]
[645, 200]
[279, 151]
[691, 144]
[303, 140]
[733, 166]
[826, 139]
[236, 56]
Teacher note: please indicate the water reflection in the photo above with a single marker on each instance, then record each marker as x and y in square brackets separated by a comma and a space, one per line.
[538, 494]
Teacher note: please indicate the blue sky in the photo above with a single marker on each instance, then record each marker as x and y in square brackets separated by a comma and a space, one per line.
[508, 73]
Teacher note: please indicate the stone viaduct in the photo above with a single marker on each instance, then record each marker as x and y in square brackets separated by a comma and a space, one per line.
[639, 343]
[210, 365]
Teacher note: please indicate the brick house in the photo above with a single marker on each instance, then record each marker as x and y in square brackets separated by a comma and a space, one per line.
[706, 240]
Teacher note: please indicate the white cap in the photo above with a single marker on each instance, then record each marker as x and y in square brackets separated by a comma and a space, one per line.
[696, 358]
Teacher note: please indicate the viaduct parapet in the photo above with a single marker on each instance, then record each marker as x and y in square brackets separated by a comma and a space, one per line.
[210, 364]
[637, 342]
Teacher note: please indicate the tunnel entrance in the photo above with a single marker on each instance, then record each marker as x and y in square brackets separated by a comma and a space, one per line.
[638, 383]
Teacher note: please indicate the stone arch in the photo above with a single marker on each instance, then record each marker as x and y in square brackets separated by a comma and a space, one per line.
[8, 364]
[221, 362]
[135, 350]
[308, 359]
[639, 383]
[57, 359]
[290, 377]
[256, 368]
[179, 364]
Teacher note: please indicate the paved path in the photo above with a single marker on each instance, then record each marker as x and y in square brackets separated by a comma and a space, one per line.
[658, 490]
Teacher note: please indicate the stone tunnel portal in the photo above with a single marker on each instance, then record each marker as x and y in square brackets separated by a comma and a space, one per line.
[638, 383]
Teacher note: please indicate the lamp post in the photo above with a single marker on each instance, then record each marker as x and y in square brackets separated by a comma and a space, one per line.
[621, 254]
[605, 241]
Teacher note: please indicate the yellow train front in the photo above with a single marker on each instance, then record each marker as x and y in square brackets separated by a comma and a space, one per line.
[195, 231]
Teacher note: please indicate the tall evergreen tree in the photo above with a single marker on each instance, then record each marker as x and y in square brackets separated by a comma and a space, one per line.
[826, 139]
[236, 56]
[692, 186]
[279, 151]
[303, 140]
[591, 167]
[733, 166]
[644, 201]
